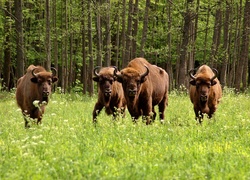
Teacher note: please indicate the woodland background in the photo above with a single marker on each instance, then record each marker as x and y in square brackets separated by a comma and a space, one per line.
[74, 36]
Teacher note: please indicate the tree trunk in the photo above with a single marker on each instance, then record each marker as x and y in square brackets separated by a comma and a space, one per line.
[223, 71]
[47, 39]
[91, 64]
[98, 34]
[7, 48]
[108, 36]
[145, 28]
[243, 59]
[216, 35]
[128, 35]
[124, 64]
[84, 67]
[55, 42]
[134, 30]
[19, 39]
[188, 23]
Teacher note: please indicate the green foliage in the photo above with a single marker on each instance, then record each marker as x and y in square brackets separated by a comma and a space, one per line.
[68, 146]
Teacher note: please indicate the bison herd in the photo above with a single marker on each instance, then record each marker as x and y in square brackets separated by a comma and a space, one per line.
[139, 87]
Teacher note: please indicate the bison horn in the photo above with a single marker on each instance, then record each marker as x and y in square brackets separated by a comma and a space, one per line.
[115, 72]
[33, 73]
[54, 71]
[95, 70]
[190, 72]
[215, 73]
[146, 73]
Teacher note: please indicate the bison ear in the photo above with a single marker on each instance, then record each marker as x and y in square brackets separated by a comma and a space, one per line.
[213, 82]
[34, 80]
[96, 79]
[192, 82]
[54, 79]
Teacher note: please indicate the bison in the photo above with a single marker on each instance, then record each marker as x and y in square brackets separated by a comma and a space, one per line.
[205, 91]
[34, 86]
[145, 86]
[110, 93]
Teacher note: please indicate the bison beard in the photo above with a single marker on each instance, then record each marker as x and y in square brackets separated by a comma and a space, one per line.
[205, 91]
[145, 86]
[33, 90]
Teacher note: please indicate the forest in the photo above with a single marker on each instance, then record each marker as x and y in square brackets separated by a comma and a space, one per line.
[74, 36]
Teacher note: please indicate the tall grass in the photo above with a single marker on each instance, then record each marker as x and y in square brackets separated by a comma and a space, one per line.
[68, 146]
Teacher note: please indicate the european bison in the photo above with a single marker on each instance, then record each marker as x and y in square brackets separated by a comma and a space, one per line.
[145, 86]
[110, 93]
[205, 91]
[34, 86]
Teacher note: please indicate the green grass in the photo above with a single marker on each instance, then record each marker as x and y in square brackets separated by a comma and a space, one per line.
[68, 146]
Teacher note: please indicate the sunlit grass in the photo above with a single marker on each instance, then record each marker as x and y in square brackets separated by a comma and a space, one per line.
[68, 146]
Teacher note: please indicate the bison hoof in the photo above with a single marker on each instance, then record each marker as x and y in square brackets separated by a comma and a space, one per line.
[162, 121]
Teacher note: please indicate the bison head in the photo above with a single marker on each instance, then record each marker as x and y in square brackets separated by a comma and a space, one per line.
[105, 78]
[131, 80]
[203, 84]
[44, 82]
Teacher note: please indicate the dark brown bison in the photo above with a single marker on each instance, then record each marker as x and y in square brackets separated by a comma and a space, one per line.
[145, 86]
[205, 91]
[110, 93]
[34, 87]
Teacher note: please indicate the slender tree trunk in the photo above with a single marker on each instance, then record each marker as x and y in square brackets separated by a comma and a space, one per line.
[224, 66]
[47, 39]
[7, 47]
[55, 42]
[91, 64]
[169, 45]
[108, 36]
[71, 46]
[19, 39]
[232, 72]
[206, 33]
[84, 67]
[188, 18]
[134, 30]
[128, 35]
[117, 42]
[98, 34]
[243, 60]
[124, 64]
[145, 28]
[216, 35]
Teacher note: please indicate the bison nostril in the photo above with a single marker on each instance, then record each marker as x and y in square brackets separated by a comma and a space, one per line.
[45, 94]
[203, 98]
[132, 92]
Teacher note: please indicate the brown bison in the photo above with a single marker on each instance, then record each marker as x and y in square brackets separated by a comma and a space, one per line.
[34, 86]
[145, 86]
[110, 93]
[205, 91]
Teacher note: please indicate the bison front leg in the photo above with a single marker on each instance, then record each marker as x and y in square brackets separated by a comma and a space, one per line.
[97, 109]
[198, 115]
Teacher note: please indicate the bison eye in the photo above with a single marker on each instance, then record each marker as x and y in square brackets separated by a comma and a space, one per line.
[111, 81]
[49, 82]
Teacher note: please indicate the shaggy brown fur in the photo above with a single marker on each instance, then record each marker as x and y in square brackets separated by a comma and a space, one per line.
[205, 91]
[110, 93]
[34, 85]
[145, 86]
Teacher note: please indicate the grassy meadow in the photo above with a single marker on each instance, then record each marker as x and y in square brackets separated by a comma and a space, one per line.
[68, 146]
